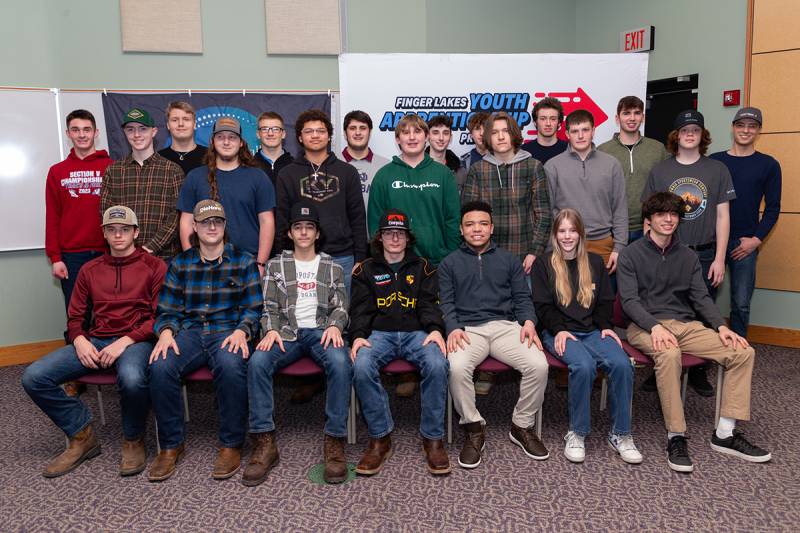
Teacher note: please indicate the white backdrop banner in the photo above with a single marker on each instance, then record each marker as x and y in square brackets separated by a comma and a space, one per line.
[388, 86]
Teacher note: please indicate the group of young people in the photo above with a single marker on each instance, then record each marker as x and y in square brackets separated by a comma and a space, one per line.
[214, 256]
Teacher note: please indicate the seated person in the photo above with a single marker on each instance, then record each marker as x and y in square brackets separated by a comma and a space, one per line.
[395, 316]
[305, 312]
[119, 336]
[574, 303]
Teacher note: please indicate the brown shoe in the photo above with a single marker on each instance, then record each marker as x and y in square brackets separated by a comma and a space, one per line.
[335, 460]
[262, 459]
[133, 457]
[164, 465]
[562, 378]
[407, 385]
[228, 462]
[474, 443]
[436, 454]
[529, 442]
[377, 452]
[304, 392]
[74, 388]
[82, 446]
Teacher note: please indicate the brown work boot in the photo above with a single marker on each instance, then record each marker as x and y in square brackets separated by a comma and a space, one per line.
[529, 442]
[133, 457]
[228, 462]
[436, 454]
[304, 392]
[262, 459]
[377, 452]
[82, 446]
[164, 465]
[74, 388]
[474, 443]
[335, 460]
[407, 385]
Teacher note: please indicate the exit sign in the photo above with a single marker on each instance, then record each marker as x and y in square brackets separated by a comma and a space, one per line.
[638, 40]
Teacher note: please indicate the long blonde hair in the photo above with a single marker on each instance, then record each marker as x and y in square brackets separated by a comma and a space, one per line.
[559, 263]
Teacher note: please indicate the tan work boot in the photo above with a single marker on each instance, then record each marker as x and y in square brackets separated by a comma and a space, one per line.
[335, 460]
[164, 465]
[228, 462]
[407, 385]
[133, 457]
[262, 459]
[82, 446]
[376, 454]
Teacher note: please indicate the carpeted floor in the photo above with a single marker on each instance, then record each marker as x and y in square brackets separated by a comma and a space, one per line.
[508, 492]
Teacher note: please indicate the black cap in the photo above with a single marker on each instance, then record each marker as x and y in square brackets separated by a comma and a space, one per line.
[302, 212]
[394, 219]
[753, 113]
[690, 116]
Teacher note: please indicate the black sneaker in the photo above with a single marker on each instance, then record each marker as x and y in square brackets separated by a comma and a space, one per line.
[474, 444]
[698, 380]
[678, 454]
[740, 447]
[526, 439]
[649, 385]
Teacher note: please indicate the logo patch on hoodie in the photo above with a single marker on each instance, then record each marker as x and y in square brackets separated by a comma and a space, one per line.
[382, 279]
[319, 188]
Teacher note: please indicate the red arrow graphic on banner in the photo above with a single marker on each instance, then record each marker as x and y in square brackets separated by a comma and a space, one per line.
[570, 101]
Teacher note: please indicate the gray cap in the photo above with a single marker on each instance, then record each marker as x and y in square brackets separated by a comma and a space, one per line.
[227, 124]
[751, 113]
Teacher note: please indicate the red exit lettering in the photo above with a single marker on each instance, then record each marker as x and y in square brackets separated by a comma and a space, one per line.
[633, 40]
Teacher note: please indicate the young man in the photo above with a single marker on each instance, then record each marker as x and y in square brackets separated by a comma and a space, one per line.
[592, 183]
[73, 235]
[440, 135]
[271, 157]
[422, 188]
[334, 188]
[488, 309]
[707, 189]
[636, 154]
[244, 191]
[395, 316]
[207, 313]
[119, 336]
[756, 177]
[149, 184]
[663, 292]
[547, 115]
[183, 151]
[357, 131]
[475, 127]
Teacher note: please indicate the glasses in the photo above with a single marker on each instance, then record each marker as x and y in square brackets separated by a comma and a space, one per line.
[311, 131]
[213, 221]
[122, 230]
[393, 234]
[273, 129]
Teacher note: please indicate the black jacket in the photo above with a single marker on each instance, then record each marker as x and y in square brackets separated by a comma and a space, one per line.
[384, 300]
[272, 169]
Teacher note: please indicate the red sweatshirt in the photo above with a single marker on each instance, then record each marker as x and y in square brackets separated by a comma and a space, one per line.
[123, 292]
[72, 199]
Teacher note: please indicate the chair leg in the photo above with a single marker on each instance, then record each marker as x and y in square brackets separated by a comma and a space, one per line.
[351, 418]
[603, 393]
[449, 417]
[100, 406]
[158, 442]
[539, 423]
[720, 384]
[185, 402]
[684, 384]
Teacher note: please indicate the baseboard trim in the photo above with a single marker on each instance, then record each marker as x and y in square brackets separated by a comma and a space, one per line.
[21, 354]
[789, 338]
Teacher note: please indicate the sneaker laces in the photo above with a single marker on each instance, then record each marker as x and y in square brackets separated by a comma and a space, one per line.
[678, 447]
[624, 443]
[574, 440]
[741, 444]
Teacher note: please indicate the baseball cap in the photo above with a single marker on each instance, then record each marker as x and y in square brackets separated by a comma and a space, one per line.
[119, 214]
[227, 124]
[690, 116]
[206, 209]
[394, 219]
[302, 212]
[139, 115]
[749, 112]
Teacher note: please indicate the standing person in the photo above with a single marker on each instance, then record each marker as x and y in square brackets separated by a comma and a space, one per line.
[547, 115]
[118, 336]
[574, 302]
[305, 313]
[207, 314]
[395, 316]
[475, 127]
[636, 154]
[756, 177]
[440, 129]
[230, 178]
[663, 292]
[488, 309]
[357, 132]
[183, 151]
[148, 183]
[270, 156]
[707, 190]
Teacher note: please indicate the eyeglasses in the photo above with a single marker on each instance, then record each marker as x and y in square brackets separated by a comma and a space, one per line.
[393, 234]
[318, 131]
[213, 221]
[122, 230]
[273, 129]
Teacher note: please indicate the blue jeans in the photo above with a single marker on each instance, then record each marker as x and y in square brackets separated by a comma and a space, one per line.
[432, 364]
[706, 258]
[583, 358]
[42, 380]
[346, 262]
[338, 373]
[635, 235]
[743, 281]
[230, 381]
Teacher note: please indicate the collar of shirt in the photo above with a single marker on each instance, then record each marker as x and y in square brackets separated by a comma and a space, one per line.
[348, 157]
[226, 256]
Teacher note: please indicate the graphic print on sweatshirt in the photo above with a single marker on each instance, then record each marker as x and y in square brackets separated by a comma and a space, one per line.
[82, 182]
[319, 186]
[694, 192]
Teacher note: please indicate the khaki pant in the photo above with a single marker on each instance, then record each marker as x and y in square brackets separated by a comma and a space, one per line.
[703, 342]
[602, 247]
[500, 338]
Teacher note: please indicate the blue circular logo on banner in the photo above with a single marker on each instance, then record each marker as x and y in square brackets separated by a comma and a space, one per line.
[207, 116]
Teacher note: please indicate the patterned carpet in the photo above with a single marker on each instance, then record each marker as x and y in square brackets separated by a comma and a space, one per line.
[509, 492]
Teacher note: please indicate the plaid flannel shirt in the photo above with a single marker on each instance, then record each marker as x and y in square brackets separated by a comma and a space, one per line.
[151, 190]
[216, 296]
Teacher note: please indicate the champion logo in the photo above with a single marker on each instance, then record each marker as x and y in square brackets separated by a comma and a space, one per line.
[400, 184]
[396, 217]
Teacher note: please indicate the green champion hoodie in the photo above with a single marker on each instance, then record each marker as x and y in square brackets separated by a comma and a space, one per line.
[428, 194]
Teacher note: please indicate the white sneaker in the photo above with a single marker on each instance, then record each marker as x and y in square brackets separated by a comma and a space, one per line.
[626, 449]
[575, 450]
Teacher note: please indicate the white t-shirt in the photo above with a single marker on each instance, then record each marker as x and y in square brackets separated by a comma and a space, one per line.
[306, 310]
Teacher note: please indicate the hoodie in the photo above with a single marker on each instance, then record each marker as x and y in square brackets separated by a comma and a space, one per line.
[272, 168]
[517, 192]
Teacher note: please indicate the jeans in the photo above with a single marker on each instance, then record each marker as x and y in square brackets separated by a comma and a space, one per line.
[338, 372]
[635, 235]
[583, 357]
[74, 261]
[706, 257]
[432, 364]
[743, 281]
[346, 262]
[230, 381]
[42, 380]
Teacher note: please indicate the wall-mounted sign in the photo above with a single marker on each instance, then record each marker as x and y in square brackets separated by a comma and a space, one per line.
[638, 40]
